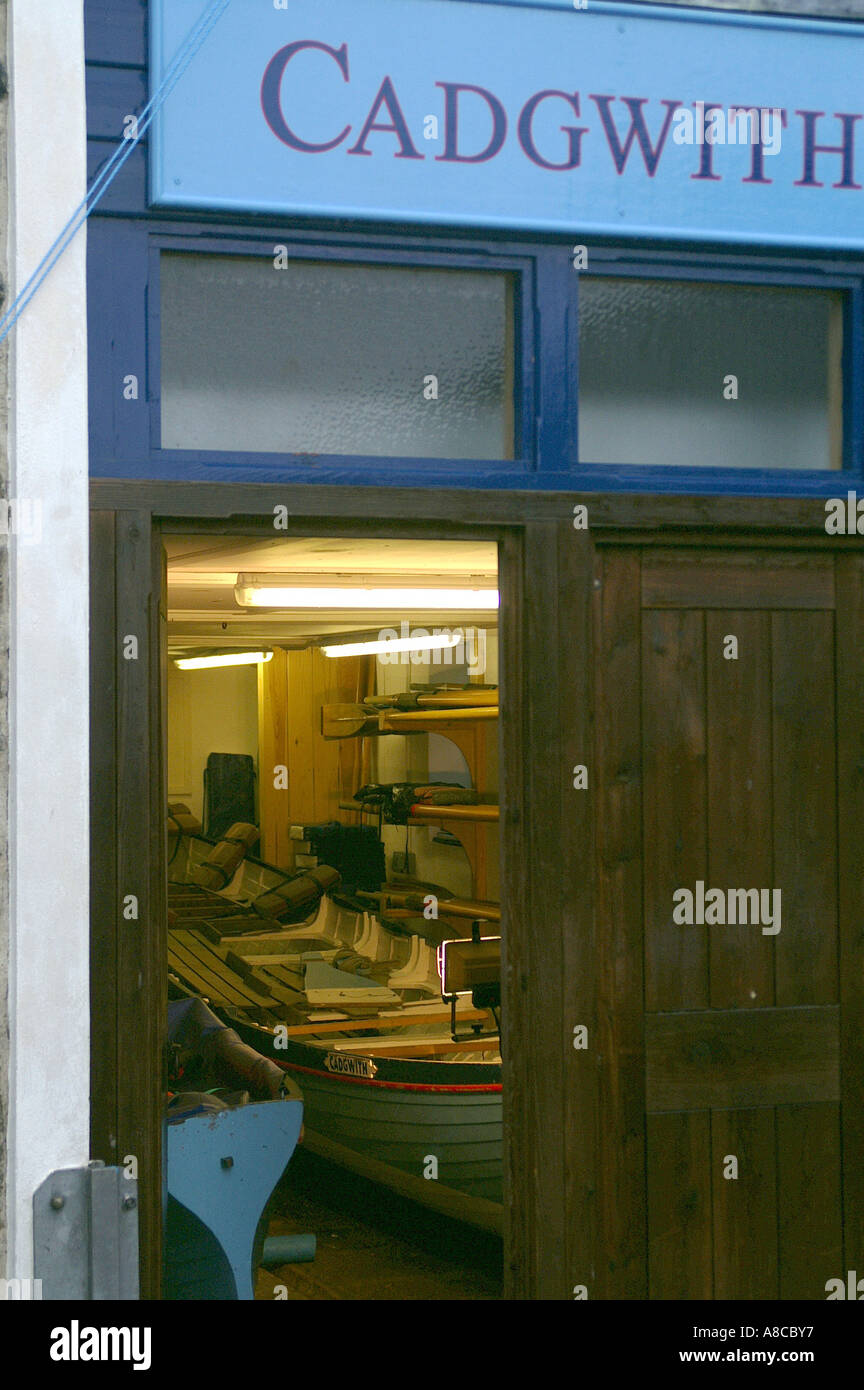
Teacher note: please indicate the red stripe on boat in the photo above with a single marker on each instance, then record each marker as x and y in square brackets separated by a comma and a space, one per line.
[390, 1085]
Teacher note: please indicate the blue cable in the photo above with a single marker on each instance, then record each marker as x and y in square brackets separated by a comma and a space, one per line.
[105, 176]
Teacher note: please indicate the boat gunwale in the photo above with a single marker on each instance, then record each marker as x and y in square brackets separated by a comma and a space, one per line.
[404, 1072]
[429, 1087]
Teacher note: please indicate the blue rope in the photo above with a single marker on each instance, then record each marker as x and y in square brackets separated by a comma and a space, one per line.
[105, 176]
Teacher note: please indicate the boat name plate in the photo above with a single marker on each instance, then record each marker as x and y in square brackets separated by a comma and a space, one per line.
[343, 1065]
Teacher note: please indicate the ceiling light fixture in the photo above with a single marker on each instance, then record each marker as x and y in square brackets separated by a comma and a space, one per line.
[204, 663]
[398, 644]
[424, 600]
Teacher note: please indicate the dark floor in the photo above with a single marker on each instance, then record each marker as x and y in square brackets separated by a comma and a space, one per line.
[373, 1245]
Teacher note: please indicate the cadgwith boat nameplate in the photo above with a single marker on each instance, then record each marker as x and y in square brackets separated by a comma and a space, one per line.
[341, 1065]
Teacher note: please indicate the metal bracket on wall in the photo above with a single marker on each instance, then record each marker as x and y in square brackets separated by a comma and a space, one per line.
[85, 1234]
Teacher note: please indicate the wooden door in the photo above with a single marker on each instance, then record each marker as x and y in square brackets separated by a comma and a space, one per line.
[730, 747]
[128, 971]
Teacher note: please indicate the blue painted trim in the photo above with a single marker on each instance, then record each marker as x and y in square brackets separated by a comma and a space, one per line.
[124, 306]
[296, 471]
[853, 381]
[557, 365]
[634, 263]
[529, 226]
[115, 32]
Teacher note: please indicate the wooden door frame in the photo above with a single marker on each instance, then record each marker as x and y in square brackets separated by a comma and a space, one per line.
[554, 1221]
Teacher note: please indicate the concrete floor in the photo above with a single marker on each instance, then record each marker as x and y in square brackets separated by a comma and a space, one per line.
[373, 1245]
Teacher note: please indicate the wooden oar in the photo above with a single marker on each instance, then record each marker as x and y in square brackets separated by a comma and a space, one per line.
[347, 721]
[350, 721]
[447, 907]
[398, 721]
[354, 1025]
[423, 812]
[442, 699]
[460, 1206]
[380, 1047]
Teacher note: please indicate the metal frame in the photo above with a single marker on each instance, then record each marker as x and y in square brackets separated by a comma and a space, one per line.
[85, 1234]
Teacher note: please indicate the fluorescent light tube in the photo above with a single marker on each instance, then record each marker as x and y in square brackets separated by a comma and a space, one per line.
[398, 644]
[201, 663]
[261, 596]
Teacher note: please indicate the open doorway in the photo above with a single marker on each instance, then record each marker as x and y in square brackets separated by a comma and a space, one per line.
[333, 818]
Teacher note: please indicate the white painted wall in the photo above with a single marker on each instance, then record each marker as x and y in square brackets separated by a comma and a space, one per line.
[49, 950]
[208, 712]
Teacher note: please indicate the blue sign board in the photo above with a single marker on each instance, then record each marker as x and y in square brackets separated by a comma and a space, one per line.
[565, 116]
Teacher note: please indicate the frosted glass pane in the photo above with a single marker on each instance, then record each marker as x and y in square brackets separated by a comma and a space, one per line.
[654, 356]
[335, 359]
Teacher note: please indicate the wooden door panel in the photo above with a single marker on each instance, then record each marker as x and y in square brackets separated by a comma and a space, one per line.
[809, 1205]
[745, 1207]
[804, 781]
[621, 1270]
[727, 1058]
[128, 834]
[739, 792]
[747, 1049]
[673, 804]
[680, 1253]
[713, 579]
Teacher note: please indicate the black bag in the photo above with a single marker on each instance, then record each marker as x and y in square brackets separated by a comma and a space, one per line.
[354, 850]
[229, 792]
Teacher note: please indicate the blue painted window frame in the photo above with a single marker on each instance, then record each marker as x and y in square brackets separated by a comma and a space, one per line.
[125, 292]
[729, 269]
[520, 266]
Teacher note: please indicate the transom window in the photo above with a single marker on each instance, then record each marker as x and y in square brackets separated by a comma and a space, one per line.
[516, 358]
[305, 357]
[702, 375]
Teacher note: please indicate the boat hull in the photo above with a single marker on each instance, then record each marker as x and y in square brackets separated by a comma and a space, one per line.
[401, 1113]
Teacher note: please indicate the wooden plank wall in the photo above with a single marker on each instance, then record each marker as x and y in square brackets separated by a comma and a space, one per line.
[320, 772]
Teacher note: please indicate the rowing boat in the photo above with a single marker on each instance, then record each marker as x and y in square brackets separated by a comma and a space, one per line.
[353, 1012]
